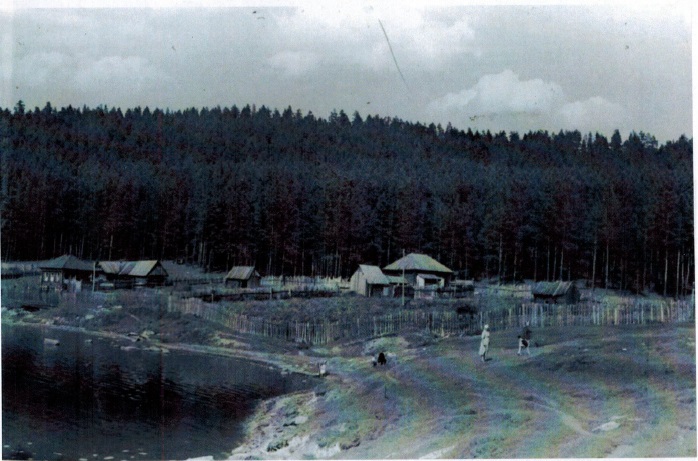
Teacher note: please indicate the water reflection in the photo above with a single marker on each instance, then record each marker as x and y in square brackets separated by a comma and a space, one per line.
[85, 398]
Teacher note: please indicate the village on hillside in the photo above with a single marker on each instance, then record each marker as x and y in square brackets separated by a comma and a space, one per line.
[347, 231]
[414, 276]
[415, 291]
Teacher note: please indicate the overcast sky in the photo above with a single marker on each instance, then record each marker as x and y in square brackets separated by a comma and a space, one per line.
[512, 68]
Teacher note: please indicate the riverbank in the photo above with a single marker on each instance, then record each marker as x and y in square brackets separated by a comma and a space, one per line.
[246, 347]
[71, 394]
[626, 391]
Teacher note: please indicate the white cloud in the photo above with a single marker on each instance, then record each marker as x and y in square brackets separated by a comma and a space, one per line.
[217, 56]
[502, 94]
[41, 68]
[504, 101]
[131, 73]
[434, 39]
[294, 63]
[356, 34]
[593, 114]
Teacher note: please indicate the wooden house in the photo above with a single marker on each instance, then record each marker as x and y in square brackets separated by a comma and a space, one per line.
[420, 271]
[127, 274]
[556, 293]
[243, 277]
[370, 281]
[66, 272]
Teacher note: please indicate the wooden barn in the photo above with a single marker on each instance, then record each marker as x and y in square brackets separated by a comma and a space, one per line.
[66, 272]
[243, 277]
[556, 293]
[127, 274]
[370, 281]
[420, 271]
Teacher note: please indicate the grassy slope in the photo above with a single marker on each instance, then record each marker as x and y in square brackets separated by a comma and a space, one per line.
[437, 400]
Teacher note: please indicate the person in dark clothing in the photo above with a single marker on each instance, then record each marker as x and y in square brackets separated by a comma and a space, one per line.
[525, 339]
[526, 333]
[381, 359]
[523, 346]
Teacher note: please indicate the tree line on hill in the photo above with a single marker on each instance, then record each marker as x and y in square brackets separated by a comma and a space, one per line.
[296, 194]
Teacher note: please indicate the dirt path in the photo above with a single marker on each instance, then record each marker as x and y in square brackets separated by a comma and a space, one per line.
[600, 394]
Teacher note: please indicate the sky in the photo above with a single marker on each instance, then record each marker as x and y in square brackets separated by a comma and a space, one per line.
[504, 67]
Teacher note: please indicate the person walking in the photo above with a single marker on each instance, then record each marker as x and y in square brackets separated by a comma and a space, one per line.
[523, 346]
[526, 332]
[484, 342]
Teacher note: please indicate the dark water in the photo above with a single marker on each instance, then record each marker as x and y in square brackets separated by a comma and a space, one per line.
[87, 398]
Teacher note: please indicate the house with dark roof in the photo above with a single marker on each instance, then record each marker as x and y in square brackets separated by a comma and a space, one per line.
[556, 293]
[370, 281]
[127, 274]
[421, 271]
[66, 272]
[243, 277]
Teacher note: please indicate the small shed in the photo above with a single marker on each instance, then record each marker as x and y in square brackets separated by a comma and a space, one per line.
[463, 285]
[429, 281]
[556, 292]
[66, 272]
[243, 277]
[126, 274]
[370, 281]
[400, 286]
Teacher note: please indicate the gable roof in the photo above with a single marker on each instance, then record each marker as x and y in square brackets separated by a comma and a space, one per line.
[67, 262]
[133, 268]
[110, 267]
[418, 262]
[374, 275]
[241, 273]
[551, 288]
[144, 268]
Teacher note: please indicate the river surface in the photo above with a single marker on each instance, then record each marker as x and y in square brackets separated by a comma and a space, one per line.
[87, 398]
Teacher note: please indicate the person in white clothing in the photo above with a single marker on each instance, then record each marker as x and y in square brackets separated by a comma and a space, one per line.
[485, 342]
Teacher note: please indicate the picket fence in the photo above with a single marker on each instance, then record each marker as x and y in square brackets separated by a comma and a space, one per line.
[439, 322]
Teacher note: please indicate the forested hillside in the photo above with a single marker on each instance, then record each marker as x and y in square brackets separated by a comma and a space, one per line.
[296, 194]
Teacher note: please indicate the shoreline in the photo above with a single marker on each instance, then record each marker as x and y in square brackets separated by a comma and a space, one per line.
[154, 345]
[282, 365]
[585, 392]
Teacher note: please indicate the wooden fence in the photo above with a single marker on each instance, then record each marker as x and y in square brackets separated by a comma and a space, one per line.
[262, 293]
[327, 331]
[303, 282]
[602, 314]
[439, 322]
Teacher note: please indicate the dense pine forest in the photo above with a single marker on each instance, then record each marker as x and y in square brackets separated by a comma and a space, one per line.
[297, 194]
